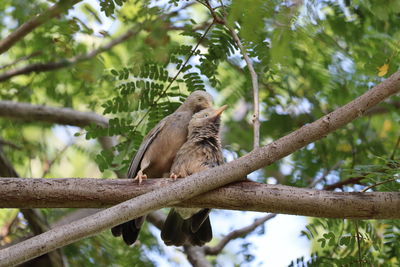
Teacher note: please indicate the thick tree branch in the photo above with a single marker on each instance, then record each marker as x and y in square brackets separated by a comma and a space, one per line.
[242, 232]
[36, 21]
[202, 182]
[66, 116]
[102, 193]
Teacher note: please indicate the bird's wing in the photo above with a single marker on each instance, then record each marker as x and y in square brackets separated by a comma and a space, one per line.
[147, 140]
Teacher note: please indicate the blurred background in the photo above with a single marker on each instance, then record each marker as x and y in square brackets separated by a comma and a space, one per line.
[311, 57]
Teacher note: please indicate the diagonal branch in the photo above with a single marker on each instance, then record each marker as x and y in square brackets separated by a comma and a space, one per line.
[50, 66]
[242, 232]
[35, 22]
[201, 182]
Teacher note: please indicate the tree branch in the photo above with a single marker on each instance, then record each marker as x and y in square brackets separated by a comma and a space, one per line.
[36, 21]
[242, 232]
[35, 218]
[196, 256]
[49, 66]
[102, 193]
[66, 116]
[254, 82]
[202, 182]
[253, 74]
[340, 184]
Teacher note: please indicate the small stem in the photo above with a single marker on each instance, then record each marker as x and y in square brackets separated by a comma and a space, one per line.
[384, 182]
[358, 244]
[395, 148]
[254, 79]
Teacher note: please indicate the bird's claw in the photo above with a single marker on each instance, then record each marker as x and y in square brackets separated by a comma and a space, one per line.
[140, 177]
[174, 176]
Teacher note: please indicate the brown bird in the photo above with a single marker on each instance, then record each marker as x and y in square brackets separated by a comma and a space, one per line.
[201, 151]
[158, 150]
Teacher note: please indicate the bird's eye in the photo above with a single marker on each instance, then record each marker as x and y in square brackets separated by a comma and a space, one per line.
[206, 115]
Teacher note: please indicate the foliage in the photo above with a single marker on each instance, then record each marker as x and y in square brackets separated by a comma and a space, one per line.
[310, 59]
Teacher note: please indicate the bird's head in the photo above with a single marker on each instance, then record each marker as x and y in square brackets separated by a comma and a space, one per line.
[206, 120]
[198, 100]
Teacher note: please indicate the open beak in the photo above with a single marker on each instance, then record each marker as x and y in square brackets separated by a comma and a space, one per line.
[219, 111]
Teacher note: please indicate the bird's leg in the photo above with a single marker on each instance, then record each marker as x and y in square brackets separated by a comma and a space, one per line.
[140, 176]
[175, 176]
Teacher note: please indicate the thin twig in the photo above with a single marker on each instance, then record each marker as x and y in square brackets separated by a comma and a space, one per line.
[326, 172]
[395, 148]
[253, 74]
[242, 232]
[254, 81]
[10, 144]
[340, 184]
[374, 185]
[34, 54]
[36, 21]
[358, 243]
[51, 162]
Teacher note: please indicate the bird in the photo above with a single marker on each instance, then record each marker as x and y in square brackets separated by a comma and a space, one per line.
[201, 151]
[157, 152]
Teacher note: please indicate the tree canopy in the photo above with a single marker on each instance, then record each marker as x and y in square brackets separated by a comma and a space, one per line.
[82, 82]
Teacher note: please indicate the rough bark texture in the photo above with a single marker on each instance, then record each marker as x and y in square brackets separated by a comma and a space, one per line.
[200, 182]
[102, 193]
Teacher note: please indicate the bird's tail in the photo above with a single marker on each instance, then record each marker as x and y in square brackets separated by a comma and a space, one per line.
[195, 231]
[129, 230]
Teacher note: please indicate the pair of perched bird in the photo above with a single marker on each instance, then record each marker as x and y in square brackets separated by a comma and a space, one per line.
[183, 143]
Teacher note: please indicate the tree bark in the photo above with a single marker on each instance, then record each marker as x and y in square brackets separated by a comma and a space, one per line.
[103, 193]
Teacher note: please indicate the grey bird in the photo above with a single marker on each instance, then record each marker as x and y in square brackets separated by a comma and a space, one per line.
[158, 150]
[201, 151]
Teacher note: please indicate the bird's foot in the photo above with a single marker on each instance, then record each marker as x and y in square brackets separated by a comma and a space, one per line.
[140, 177]
[174, 176]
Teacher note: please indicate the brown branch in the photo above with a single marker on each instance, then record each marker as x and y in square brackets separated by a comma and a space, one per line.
[196, 256]
[340, 184]
[36, 21]
[101, 193]
[34, 113]
[64, 116]
[10, 144]
[213, 178]
[50, 66]
[326, 172]
[242, 232]
[34, 54]
[384, 108]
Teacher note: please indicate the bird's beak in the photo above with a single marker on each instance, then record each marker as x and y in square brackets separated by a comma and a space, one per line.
[219, 111]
